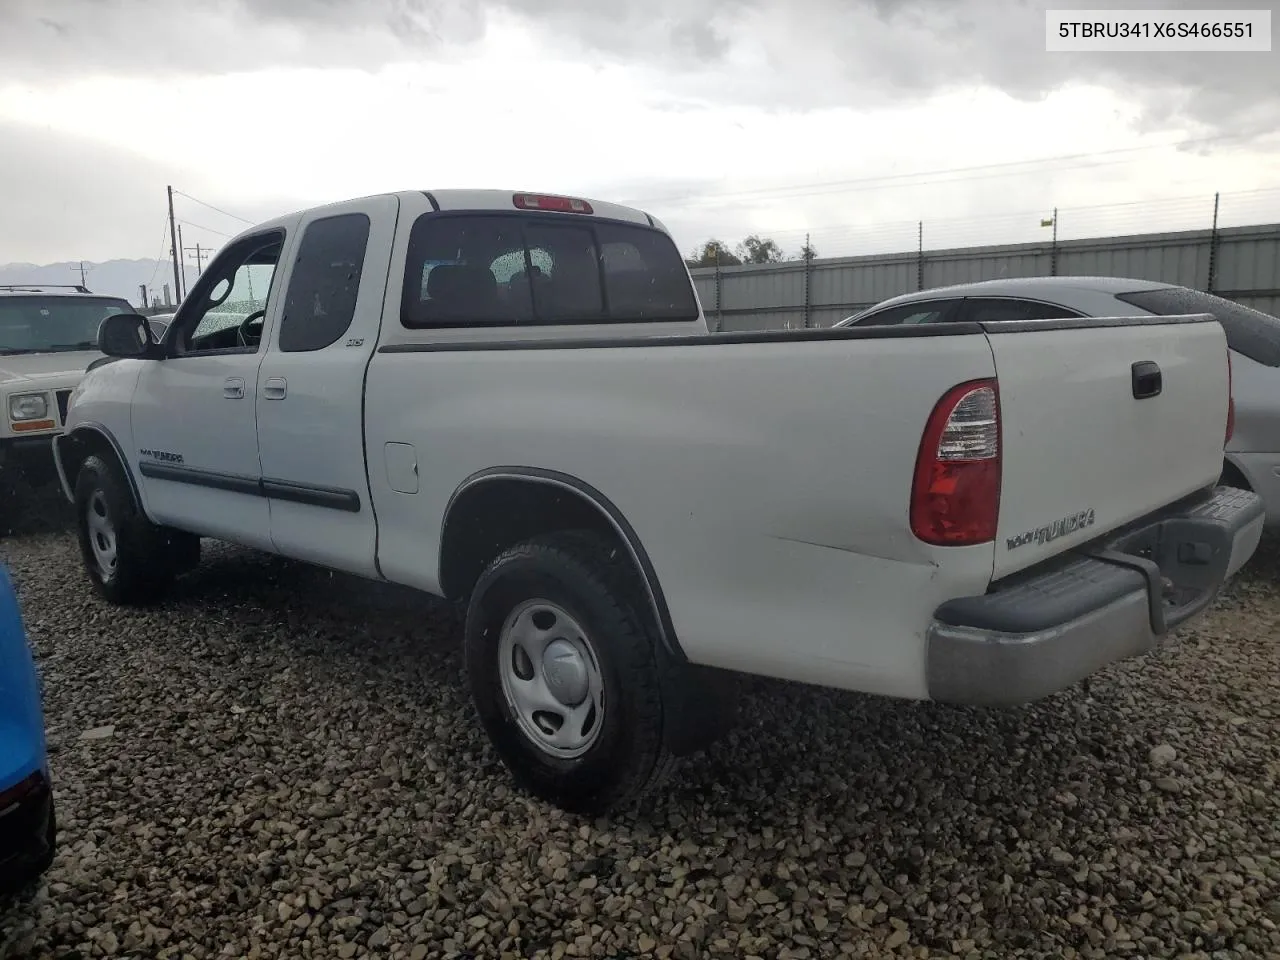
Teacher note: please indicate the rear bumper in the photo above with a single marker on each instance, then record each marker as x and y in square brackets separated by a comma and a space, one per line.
[1043, 630]
[27, 838]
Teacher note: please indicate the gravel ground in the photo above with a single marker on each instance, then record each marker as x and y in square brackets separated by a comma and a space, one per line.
[281, 762]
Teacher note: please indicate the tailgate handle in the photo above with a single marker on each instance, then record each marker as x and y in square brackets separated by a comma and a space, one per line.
[1147, 379]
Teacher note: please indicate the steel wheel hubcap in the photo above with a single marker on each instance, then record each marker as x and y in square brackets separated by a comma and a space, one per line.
[551, 678]
[102, 533]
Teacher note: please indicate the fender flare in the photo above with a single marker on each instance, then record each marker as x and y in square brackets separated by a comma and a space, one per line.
[610, 513]
[102, 430]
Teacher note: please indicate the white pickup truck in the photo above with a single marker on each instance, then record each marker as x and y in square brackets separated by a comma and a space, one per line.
[512, 401]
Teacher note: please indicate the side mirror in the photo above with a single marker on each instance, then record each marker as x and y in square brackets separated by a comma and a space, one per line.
[127, 335]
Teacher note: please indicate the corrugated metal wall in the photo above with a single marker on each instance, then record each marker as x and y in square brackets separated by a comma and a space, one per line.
[1245, 263]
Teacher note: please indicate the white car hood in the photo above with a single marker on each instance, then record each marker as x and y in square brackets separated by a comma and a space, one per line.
[39, 369]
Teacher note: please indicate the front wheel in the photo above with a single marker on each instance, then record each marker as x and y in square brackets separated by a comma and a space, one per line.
[561, 665]
[128, 559]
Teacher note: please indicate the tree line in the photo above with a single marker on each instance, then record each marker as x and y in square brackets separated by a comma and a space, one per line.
[754, 249]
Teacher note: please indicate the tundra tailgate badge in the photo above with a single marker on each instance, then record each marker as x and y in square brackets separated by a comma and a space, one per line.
[1052, 531]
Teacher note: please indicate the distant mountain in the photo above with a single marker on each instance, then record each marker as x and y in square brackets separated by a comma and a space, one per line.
[118, 278]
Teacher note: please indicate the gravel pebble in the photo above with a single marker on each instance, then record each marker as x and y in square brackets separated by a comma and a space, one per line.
[295, 772]
[1162, 755]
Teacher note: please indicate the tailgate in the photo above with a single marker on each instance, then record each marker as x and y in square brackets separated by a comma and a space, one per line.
[1085, 449]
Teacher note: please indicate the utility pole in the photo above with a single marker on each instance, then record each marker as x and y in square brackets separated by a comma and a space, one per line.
[1054, 264]
[200, 252]
[919, 254]
[1213, 247]
[1053, 250]
[808, 266]
[142, 292]
[173, 240]
[83, 281]
[182, 260]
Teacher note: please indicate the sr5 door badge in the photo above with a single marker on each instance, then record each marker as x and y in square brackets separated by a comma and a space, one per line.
[1052, 531]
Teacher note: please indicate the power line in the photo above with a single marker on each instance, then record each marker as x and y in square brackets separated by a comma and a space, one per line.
[1109, 219]
[986, 170]
[163, 244]
[212, 207]
[199, 227]
[1110, 214]
[1187, 203]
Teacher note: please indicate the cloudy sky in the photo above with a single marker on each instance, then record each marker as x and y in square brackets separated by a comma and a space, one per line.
[849, 119]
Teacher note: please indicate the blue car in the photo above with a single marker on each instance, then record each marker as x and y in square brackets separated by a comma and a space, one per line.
[27, 826]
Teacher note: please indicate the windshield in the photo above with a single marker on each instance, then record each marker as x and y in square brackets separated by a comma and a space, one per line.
[54, 324]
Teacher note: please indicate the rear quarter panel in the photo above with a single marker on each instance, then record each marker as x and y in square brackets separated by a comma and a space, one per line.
[1256, 388]
[768, 482]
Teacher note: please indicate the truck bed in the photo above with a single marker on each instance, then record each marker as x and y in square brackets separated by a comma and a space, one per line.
[768, 475]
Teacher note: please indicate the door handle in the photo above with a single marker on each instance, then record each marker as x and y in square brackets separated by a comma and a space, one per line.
[233, 388]
[274, 388]
[1147, 379]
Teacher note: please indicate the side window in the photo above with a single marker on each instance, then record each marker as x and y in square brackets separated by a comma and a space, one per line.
[994, 310]
[228, 304]
[321, 300]
[931, 311]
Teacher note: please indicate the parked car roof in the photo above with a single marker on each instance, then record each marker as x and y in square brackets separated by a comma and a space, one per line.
[50, 290]
[1023, 284]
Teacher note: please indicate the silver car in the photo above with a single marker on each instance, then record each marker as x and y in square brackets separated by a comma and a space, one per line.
[1253, 453]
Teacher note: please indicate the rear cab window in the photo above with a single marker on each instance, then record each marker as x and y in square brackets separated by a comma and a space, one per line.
[1250, 332]
[474, 269]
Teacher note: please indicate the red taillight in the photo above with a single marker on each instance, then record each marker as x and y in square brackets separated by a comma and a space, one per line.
[20, 790]
[955, 497]
[541, 201]
[1231, 403]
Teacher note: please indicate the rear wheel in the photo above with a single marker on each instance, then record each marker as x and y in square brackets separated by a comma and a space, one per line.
[129, 559]
[562, 669]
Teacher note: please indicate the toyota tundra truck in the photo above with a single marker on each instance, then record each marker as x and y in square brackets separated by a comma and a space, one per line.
[511, 400]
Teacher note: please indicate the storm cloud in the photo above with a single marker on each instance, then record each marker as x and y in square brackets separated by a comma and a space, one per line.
[67, 196]
[784, 54]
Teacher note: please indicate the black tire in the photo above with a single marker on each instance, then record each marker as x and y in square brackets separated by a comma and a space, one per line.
[144, 553]
[594, 584]
[25, 885]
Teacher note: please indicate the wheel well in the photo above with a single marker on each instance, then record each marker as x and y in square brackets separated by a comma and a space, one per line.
[494, 514]
[78, 446]
[1233, 477]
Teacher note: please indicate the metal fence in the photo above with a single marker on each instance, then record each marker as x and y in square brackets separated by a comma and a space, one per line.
[1239, 263]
